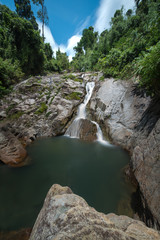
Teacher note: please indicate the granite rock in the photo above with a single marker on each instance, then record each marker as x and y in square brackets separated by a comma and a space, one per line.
[67, 216]
[132, 121]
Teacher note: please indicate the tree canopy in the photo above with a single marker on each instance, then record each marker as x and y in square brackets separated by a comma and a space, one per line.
[22, 50]
[127, 49]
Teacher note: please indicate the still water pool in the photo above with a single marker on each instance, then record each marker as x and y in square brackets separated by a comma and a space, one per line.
[92, 170]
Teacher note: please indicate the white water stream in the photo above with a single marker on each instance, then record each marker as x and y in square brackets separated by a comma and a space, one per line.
[73, 130]
[82, 108]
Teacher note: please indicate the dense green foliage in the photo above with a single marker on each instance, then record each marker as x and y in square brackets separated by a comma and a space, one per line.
[129, 47]
[149, 69]
[22, 51]
[62, 60]
[21, 48]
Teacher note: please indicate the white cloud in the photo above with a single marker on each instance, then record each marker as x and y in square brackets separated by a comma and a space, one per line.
[68, 48]
[48, 37]
[72, 42]
[107, 9]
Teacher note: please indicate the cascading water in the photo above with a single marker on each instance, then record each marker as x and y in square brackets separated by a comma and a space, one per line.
[100, 135]
[82, 108]
[74, 129]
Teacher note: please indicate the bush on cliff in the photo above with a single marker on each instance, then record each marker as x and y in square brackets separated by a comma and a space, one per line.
[149, 70]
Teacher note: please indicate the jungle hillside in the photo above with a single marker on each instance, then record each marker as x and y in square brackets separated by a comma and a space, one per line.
[129, 49]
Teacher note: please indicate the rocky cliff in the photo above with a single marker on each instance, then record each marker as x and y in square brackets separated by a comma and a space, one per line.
[44, 106]
[67, 216]
[37, 107]
[132, 120]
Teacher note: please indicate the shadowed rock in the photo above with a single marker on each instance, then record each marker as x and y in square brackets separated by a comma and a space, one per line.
[11, 150]
[83, 129]
[133, 122]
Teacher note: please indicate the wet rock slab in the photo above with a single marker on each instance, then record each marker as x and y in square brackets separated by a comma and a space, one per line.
[11, 150]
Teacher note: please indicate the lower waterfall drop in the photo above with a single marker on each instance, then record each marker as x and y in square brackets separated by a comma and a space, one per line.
[74, 129]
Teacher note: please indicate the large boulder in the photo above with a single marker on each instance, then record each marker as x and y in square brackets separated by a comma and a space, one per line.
[67, 216]
[83, 129]
[11, 150]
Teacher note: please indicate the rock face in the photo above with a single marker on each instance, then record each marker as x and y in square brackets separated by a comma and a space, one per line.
[11, 150]
[132, 121]
[67, 216]
[38, 106]
[44, 106]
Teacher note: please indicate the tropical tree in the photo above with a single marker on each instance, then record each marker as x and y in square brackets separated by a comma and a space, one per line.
[137, 2]
[23, 9]
[48, 51]
[42, 14]
[62, 61]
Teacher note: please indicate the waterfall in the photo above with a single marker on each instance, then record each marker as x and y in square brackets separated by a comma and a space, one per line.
[74, 129]
[100, 134]
[82, 108]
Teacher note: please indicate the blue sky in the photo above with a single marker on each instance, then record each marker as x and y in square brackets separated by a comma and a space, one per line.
[67, 19]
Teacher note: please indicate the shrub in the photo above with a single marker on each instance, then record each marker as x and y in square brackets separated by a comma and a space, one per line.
[74, 96]
[101, 78]
[148, 68]
[43, 108]
[10, 73]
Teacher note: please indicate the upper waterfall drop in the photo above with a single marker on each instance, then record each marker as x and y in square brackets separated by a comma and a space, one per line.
[82, 108]
[75, 129]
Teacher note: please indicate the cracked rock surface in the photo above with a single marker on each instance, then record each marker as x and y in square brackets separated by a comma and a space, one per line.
[67, 216]
[39, 106]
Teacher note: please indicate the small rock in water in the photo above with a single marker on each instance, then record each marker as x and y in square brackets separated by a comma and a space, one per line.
[83, 129]
[11, 150]
[88, 130]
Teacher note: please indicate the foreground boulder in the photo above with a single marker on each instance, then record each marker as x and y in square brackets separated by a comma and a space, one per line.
[67, 216]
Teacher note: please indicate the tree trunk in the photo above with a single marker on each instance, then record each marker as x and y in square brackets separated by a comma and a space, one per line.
[43, 20]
